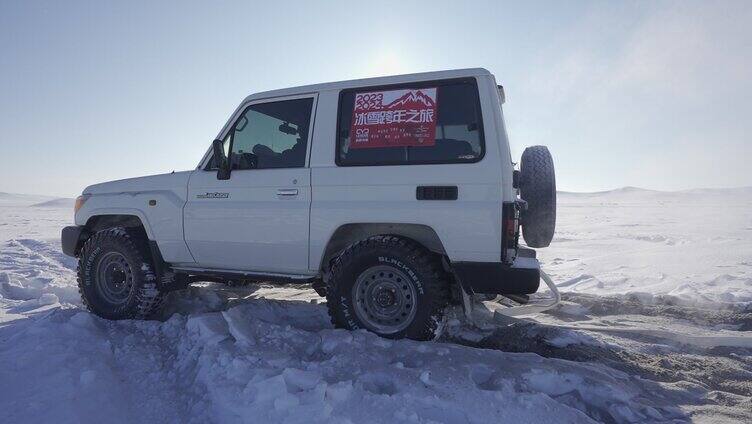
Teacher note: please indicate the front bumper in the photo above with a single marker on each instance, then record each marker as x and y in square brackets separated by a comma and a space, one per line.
[70, 239]
[522, 277]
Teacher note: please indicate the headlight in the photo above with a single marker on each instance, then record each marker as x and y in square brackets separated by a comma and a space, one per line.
[80, 200]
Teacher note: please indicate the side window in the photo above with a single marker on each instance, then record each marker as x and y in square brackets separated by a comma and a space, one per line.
[271, 135]
[424, 123]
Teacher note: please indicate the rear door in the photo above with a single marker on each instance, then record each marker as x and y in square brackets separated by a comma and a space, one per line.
[258, 219]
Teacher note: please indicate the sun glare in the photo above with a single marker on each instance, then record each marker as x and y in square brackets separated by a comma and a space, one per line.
[387, 62]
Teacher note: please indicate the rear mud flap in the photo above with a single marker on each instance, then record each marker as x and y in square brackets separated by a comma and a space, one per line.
[509, 308]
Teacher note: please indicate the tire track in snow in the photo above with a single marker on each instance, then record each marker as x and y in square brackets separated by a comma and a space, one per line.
[679, 347]
[30, 268]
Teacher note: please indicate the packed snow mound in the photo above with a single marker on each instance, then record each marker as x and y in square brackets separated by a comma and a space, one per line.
[62, 202]
[280, 361]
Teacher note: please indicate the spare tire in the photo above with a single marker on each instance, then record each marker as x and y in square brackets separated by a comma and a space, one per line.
[538, 189]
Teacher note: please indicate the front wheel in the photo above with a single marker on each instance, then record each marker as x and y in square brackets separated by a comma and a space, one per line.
[390, 286]
[115, 276]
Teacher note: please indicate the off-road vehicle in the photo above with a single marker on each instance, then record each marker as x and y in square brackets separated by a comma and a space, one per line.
[394, 197]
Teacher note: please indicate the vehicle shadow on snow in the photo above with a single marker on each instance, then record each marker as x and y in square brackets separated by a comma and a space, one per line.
[270, 303]
[208, 297]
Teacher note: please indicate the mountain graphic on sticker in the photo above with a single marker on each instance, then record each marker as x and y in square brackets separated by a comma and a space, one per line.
[412, 99]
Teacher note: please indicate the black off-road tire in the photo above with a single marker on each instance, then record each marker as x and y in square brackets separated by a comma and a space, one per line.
[170, 281]
[538, 189]
[423, 269]
[144, 297]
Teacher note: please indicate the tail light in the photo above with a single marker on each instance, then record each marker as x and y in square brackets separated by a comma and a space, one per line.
[510, 226]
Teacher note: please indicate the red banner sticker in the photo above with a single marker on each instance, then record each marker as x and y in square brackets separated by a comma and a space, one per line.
[395, 118]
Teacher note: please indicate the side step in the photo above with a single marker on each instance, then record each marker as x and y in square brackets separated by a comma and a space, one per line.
[220, 275]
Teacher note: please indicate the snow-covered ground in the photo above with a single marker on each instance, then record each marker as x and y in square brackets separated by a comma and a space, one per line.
[655, 326]
[694, 247]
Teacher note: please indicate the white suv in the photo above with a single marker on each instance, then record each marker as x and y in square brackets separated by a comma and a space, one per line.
[393, 196]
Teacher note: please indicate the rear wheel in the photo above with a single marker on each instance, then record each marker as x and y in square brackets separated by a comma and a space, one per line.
[390, 286]
[115, 277]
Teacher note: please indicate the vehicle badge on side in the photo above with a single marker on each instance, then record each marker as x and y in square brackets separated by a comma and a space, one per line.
[215, 195]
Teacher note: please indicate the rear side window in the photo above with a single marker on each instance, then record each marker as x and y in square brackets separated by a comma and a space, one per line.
[438, 122]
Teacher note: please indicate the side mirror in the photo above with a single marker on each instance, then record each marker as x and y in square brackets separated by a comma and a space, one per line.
[223, 164]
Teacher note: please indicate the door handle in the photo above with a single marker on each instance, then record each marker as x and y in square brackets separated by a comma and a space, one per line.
[287, 192]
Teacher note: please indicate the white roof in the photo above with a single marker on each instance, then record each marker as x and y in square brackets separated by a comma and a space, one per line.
[394, 79]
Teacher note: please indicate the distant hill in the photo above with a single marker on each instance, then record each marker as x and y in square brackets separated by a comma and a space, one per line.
[62, 202]
[616, 191]
[734, 190]
[636, 194]
[629, 190]
[15, 199]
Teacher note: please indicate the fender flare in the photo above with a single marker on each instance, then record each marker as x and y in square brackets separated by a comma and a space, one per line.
[120, 211]
[348, 233]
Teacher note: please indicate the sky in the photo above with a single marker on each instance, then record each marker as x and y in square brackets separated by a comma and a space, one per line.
[654, 94]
